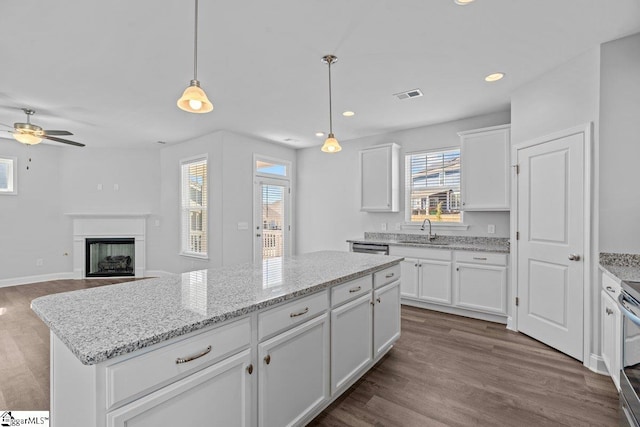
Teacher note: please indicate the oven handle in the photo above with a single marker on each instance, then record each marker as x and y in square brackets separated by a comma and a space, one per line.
[627, 307]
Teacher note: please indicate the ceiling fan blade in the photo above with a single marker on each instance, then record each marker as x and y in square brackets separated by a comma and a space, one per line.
[2, 124]
[64, 141]
[57, 132]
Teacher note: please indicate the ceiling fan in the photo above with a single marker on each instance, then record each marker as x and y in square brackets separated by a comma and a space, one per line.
[30, 134]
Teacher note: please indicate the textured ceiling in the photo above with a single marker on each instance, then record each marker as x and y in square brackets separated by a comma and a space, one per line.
[111, 71]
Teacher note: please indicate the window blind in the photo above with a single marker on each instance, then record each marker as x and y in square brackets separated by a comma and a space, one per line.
[194, 207]
[432, 182]
[7, 175]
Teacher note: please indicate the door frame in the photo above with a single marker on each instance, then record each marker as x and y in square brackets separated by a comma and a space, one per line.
[587, 131]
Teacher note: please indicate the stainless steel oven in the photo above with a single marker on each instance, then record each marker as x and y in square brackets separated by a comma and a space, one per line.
[629, 301]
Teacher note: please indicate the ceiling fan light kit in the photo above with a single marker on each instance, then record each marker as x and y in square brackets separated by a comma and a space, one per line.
[27, 138]
[194, 99]
[30, 134]
[331, 144]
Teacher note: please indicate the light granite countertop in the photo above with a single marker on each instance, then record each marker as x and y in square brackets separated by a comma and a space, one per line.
[101, 323]
[462, 243]
[621, 266]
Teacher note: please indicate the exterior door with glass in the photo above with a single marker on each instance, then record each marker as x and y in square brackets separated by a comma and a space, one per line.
[272, 220]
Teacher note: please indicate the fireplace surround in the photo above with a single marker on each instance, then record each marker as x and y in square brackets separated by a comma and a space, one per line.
[109, 227]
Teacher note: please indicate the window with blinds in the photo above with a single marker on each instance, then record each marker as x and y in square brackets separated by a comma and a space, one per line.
[433, 186]
[194, 207]
[8, 175]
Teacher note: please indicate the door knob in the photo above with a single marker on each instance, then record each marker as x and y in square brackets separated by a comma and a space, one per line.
[574, 257]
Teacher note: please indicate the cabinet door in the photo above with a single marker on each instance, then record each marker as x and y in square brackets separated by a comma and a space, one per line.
[409, 274]
[190, 399]
[386, 317]
[481, 287]
[611, 336]
[351, 340]
[435, 281]
[294, 373]
[379, 178]
[485, 169]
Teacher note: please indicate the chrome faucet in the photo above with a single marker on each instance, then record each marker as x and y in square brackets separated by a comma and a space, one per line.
[429, 236]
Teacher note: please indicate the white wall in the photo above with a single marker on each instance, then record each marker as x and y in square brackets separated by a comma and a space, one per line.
[230, 160]
[31, 222]
[620, 146]
[328, 210]
[565, 97]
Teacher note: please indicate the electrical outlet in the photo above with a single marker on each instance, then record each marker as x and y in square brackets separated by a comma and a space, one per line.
[116, 187]
[99, 187]
[491, 229]
[398, 226]
[156, 223]
[39, 262]
[383, 226]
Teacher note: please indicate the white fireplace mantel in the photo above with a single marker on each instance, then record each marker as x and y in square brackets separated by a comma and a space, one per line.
[88, 225]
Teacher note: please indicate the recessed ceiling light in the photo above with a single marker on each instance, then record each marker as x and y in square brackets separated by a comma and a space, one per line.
[494, 77]
[463, 2]
[348, 113]
[319, 134]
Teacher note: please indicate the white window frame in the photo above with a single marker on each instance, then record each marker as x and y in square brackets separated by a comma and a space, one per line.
[444, 225]
[12, 189]
[185, 212]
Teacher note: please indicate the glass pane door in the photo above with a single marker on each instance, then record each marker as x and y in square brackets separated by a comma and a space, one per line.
[272, 227]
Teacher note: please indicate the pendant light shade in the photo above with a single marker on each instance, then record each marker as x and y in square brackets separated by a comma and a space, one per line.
[194, 99]
[331, 144]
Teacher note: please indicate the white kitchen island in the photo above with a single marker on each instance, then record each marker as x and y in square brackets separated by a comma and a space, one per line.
[267, 345]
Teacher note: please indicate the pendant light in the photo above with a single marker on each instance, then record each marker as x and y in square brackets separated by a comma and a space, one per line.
[331, 144]
[194, 100]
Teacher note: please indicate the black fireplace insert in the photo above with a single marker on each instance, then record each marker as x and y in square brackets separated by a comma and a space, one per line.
[106, 257]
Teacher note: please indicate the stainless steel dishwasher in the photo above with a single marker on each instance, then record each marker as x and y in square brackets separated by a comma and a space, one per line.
[370, 248]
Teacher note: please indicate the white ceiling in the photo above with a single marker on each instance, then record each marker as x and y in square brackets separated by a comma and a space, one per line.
[111, 71]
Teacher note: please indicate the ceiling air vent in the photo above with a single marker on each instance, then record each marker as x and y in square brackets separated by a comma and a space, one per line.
[414, 93]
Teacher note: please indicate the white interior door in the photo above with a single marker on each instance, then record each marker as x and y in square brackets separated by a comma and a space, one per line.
[551, 245]
[272, 224]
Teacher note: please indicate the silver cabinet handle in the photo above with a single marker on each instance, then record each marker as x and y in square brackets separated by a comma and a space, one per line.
[480, 258]
[610, 289]
[180, 360]
[609, 311]
[390, 275]
[305, 311]
[574, 257]
[355, 289]
[378, 299]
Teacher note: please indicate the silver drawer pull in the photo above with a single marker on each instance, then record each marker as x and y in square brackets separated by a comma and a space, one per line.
[305, 311]
[355, 289]
[180, 360]
[480, 258]
[610, 289]
[389, 276]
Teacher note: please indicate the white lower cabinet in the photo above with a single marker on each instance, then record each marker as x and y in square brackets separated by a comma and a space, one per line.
[386, 317]
[410, 277]
[435, 281]
[481, 287]
[189, 401]
[293, 373]
[611, 326]
[351, 340]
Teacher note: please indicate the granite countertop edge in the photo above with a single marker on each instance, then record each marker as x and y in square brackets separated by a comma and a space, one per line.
[91, 358]
[621, 266]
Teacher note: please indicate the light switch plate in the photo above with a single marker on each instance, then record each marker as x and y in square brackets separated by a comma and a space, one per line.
[491, 229]
[383, 226]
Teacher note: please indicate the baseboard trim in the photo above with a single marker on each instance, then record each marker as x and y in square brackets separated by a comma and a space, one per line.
[15, 281]
[596, 364]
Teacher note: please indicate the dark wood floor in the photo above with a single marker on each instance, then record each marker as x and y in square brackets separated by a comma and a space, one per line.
[444, 371]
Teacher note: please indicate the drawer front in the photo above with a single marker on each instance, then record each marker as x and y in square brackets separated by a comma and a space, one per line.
[385, 276]
[422, 253]
[291, 313]
[481, 257]
[139, 375]
[350, 290]
[610, 286]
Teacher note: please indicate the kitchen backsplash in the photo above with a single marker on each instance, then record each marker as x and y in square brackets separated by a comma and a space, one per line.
[620, 260]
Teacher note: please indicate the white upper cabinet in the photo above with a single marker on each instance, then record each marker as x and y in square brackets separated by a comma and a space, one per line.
[379, 178]
[485, 157]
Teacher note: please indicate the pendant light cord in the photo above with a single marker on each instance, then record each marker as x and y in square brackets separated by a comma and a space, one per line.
[195, 46]
[330, 110]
